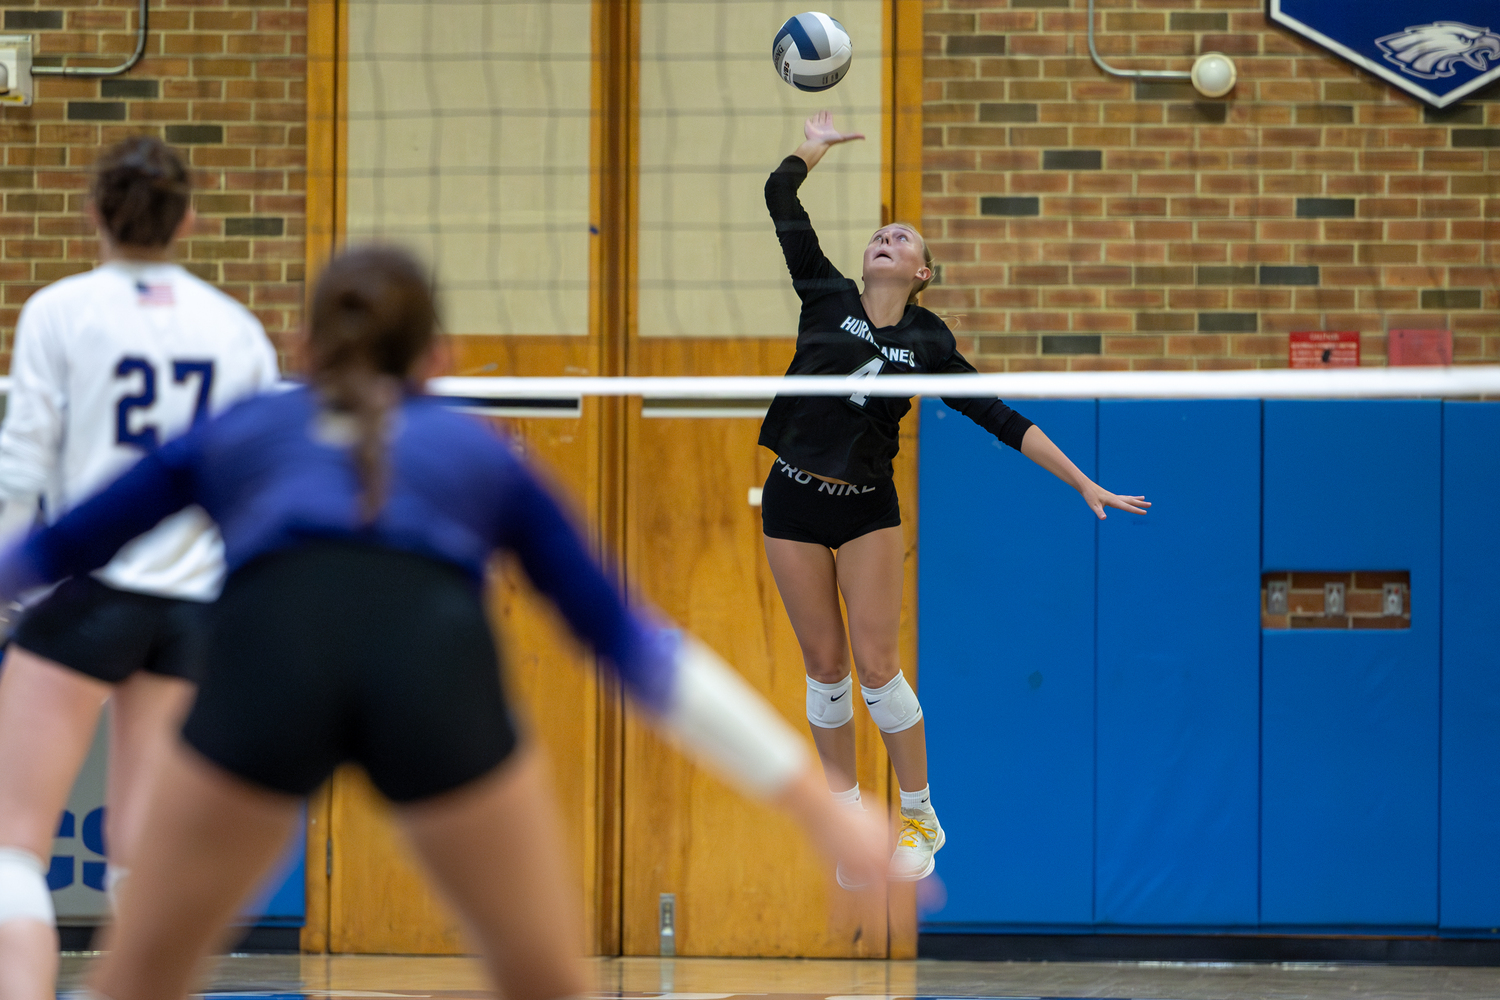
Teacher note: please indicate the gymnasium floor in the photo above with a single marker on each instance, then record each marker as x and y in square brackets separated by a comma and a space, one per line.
[397, 978]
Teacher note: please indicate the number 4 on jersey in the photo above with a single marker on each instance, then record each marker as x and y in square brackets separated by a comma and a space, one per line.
[869, 369]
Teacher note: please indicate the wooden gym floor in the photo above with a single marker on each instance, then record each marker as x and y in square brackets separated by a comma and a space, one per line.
[399, 978]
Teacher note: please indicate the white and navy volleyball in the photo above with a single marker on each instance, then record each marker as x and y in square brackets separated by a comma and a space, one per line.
[812, 51]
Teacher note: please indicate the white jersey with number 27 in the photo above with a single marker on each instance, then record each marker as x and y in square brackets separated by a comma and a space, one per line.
[106, 366]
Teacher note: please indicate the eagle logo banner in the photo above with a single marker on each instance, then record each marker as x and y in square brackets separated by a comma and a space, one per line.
[1432, 51]
[1438, 50]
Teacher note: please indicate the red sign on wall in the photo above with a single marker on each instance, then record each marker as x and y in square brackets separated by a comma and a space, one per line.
[1324, 349]
[1419, 347]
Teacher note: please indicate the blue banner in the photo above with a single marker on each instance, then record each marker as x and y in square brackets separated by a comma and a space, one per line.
[1438, 50]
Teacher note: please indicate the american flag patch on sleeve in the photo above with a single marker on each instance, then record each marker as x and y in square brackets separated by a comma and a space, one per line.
[154, 295]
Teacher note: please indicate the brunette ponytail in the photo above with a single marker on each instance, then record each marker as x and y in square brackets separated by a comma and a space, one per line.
[373, 319]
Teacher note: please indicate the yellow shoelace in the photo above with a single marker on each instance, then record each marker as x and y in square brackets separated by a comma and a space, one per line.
[911, 828]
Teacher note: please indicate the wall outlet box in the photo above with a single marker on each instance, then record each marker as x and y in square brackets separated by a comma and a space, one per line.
[1333, 599]
[15, 71]
[1276, 597]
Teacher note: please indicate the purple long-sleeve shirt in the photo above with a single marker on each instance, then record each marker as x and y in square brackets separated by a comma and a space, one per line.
[271, 481]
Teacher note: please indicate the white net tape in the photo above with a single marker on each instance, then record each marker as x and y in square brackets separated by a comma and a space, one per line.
[1335, 383]
[1462, 382]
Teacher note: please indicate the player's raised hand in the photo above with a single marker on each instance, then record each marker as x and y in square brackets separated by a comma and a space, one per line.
[821, 136]
[1098, 498]
[819, 128]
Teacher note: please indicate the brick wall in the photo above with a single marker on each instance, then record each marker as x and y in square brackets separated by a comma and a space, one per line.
[1084, 221]
[223, 81]
[1364, 594]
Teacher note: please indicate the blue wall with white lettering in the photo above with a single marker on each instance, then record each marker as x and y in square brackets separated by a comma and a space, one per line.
[1117, 745]
[76, 870]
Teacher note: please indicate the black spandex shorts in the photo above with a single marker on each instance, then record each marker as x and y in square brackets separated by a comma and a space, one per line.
[337, 652]
[109, 634]
[803, 508]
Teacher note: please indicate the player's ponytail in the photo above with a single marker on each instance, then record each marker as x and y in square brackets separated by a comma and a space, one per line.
[141, 191]
[911, 300]
[373, 319]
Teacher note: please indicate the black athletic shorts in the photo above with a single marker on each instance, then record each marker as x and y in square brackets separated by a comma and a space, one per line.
[803, 508]
[109, 634]
[335, 652]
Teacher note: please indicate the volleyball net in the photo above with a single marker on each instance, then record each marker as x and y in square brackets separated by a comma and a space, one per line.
[1459, 382]
[1334, 383]
[470, 141]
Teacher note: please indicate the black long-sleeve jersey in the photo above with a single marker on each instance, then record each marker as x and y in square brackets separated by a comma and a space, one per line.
[854, 437]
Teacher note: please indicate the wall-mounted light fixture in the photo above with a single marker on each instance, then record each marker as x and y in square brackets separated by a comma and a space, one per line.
[1213, 74]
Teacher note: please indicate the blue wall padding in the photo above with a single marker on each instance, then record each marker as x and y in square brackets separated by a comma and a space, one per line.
[1036, 760]
[1350, 725]
[1006, 591]
[282, 899]
[1179, 665]
[1471, 666]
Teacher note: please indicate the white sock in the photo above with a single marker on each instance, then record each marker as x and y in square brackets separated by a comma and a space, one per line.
[849, 798]
[918, 801]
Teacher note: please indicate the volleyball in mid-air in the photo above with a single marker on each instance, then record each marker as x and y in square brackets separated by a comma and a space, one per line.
[812, 51]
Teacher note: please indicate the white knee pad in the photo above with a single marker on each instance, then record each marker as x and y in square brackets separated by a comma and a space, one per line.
[829, 705]
[893, 706]
[23, 887]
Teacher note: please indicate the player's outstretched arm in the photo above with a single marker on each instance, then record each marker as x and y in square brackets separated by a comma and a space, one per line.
[1039, 448]
[89, 535]
[820, 137]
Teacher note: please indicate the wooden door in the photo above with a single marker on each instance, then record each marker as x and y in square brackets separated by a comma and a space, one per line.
[378, 902]
[745, 880]
[364, 893]
[640, 821]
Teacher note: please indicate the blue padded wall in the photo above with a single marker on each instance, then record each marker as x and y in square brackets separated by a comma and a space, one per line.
[1006, 647]
[1350, 723]
[281, 900]
[1179, 665]
[1471, 679]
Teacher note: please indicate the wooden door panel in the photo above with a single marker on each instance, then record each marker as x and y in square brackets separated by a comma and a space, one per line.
[746, 881]
[378, 901]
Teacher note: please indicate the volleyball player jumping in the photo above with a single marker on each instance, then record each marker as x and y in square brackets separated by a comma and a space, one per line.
[358, 518]
[107, 365]
[831, 490]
